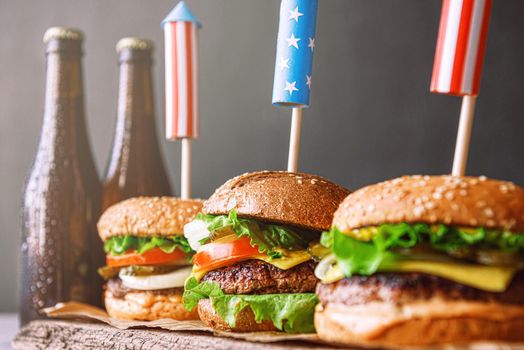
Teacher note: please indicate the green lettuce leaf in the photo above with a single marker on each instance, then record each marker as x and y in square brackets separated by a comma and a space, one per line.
[364, 257]
[266, 237]
[291, 313]
[121, 244]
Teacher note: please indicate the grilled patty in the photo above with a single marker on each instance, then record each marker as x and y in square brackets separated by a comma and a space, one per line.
[119, 290]
[259, 277]
[406, 287]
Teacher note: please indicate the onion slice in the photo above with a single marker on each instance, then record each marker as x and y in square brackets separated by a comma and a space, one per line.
[153, 282]
[195, 231]
[324, 266]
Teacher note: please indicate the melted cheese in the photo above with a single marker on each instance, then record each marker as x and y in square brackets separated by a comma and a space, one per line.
[288, 261]
[488, 278]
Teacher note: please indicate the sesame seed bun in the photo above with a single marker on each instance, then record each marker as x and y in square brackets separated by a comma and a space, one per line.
[423, 324]
[449, 200]
[147, 306]
[295, 199]
[148, 216]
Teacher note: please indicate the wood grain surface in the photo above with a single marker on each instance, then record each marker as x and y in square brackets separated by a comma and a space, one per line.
[52, 334]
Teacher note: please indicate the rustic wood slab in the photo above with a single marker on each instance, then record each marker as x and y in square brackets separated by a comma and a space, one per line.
[51, 334]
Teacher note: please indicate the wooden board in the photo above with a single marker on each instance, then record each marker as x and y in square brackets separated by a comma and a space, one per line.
[50, 334]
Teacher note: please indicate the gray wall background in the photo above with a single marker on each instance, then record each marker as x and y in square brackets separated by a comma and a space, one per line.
[371, 117]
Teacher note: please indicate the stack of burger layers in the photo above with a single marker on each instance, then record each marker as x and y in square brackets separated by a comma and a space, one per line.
[416, 260]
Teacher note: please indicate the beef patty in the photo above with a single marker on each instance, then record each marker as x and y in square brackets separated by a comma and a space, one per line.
[119, 290]
[401, 288]
[259, 277]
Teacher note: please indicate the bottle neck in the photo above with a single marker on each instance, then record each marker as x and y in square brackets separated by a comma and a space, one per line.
[64, 100]
[135, 92]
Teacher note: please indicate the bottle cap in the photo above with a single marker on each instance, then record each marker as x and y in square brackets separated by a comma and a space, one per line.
[62, 33]
[134, 44]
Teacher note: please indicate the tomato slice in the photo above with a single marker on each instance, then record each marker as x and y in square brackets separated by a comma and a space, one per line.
[214, 255]
[153, 256]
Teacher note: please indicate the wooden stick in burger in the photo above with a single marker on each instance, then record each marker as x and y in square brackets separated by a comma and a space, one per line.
[254, 261]
[422, 260]
[148, 257]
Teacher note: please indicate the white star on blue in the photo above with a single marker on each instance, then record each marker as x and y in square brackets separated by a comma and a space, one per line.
[295, 44]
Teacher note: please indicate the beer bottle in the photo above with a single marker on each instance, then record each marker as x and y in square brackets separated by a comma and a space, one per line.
[135, 166]
[60, 247]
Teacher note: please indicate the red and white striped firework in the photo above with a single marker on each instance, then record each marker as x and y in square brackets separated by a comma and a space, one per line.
[182, 112]
[460, 47]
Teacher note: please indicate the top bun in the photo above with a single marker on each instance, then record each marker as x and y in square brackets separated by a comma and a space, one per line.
[148, 216]
[449, 200]
[296, 199]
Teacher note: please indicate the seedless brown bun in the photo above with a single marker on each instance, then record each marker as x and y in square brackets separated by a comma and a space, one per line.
[245, 321]
[450, 200]
[148, 216]
[376, 328]
[146, 306]
[296, 199]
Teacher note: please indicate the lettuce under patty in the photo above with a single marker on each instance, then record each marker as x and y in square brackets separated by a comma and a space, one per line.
[291, 313]
[120, 244]
[268, 238]
[364, 257]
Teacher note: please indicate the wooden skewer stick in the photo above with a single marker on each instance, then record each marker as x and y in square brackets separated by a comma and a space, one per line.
[294, 140]
[185, 175]
[460, 159]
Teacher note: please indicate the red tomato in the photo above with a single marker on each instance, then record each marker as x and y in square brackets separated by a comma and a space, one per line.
[215, 255]
[153, 256]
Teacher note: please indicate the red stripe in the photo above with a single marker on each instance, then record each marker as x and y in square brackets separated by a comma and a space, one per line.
[175, 115]
[440, 45]
[481, 48]
[462, 46]
[189, 61]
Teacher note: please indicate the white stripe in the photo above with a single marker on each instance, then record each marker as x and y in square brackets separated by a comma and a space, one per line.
[182, 79]
[450, 45]
[479, 7]
[168, 45]
[194, 45]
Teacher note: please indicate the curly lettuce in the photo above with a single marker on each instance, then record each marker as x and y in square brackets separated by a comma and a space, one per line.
[121, 244]
[268, 238]
[291, 313]
[388, 241]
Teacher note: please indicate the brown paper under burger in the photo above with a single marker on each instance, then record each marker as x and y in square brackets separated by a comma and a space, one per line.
[75, 310]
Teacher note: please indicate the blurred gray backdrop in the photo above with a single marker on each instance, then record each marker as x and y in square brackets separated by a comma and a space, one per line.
[371, 117]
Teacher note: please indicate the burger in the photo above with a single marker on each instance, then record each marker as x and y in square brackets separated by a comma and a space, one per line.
[422, 260]
[148, 258]
[253, 268]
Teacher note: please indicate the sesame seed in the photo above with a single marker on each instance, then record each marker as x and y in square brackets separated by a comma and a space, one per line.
[488, 212]
[449, 195]
[463, 193]
[418, 211]
[491, 222]
[473, 222]
[437, 195]
[480, 204]
[482, 178]
[299, 182]
[455, 207]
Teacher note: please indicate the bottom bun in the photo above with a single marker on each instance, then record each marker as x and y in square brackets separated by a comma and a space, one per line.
[385, 324]
[245, 321]
[147, 306]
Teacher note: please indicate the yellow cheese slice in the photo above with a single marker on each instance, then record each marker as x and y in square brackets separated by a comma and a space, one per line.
[289, 260]
[488, 278]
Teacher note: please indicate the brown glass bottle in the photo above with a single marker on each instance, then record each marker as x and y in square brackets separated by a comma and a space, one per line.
[60, 246]
[135, 167]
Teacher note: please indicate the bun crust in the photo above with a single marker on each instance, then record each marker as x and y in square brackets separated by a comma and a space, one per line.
[418, 331]
[295, 199]
[145, 306]
[148, 216]
[449, 200]
[245, 321]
